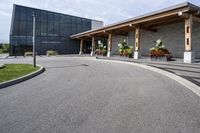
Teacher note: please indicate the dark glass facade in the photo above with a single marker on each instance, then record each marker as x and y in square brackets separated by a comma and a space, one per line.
[53, 31]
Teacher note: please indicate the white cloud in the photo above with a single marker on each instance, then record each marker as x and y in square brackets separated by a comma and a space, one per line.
[107, 10]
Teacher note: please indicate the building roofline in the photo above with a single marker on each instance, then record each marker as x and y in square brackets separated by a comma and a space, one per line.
[171, 8]
[56, 12]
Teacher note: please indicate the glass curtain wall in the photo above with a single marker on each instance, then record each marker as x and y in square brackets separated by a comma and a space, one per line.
[53, 31]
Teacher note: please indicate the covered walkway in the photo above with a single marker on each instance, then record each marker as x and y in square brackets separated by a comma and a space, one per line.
[178, 26]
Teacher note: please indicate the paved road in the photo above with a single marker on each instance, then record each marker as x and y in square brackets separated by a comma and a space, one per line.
[190, 72]
[78, 95]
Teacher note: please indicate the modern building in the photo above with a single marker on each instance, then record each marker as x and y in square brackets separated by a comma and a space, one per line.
[53, 31]
[178, 26]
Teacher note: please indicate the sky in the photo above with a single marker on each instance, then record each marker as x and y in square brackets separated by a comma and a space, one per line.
[109, 11]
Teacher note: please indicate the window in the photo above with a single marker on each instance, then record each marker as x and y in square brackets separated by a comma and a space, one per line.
[68, 23]
[29, 15]
[62, 25]
[56, 25]
[14, 40]
[22, 22]
[86, 24]
[43, 23]
[50, 24]
[16, 22]
[38, 23]
[79, 26]
[29, 22]
[73, 25]
[52, 29]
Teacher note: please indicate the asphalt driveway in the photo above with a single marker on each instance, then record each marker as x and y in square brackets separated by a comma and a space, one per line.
[80, 95]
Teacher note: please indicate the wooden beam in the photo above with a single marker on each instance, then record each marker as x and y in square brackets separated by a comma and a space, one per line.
[122, 33]
[109, 44]
[188, 33]
[93, 46]
[149, 29]
[162, 21]
[150, 18]
[183, 15]
[138, 21]
[137, 39]
[187, 16]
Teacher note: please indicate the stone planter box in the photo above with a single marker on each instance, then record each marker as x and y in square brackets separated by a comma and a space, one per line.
[127, 56]
[162, 58]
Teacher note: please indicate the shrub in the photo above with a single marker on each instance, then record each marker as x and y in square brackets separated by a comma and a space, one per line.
[51, 53]
[28, 54]
[2, 66]
[4, 48]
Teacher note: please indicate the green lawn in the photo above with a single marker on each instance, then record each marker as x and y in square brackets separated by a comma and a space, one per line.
[12, 71]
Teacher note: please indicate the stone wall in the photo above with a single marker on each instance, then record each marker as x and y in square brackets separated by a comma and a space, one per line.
[116, 39]
[172, 36]
[196, 39]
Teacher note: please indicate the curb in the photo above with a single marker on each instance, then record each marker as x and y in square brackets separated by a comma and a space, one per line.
[186, 83]
[23, 78]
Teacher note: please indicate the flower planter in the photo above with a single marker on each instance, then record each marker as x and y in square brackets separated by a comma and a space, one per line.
[130, 56]
[104, 54]
[162, 58]
[127, 56]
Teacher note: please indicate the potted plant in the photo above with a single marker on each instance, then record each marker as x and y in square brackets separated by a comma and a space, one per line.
[125, 50]
[159, 52]
[101, 49]
[129, 52]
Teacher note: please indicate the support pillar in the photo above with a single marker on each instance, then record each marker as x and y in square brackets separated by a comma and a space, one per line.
[189, 55]
[81, 47]
[109, 44]
[137, 43]
[93, 46]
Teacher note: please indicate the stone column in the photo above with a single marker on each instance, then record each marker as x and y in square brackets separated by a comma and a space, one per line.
[137, 43]
[81, 47]
[109, 44]
[189, 55]
[93, 46]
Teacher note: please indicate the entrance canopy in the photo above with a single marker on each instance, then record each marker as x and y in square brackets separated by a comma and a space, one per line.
[186, 12]
[147, 22]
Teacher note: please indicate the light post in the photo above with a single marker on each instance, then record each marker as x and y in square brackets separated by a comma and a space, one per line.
[34, 55]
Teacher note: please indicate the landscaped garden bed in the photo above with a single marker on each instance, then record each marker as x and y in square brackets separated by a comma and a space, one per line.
[4, 48]
[14, 71]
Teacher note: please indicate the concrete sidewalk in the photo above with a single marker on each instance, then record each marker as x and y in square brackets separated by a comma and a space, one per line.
[190, 72]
